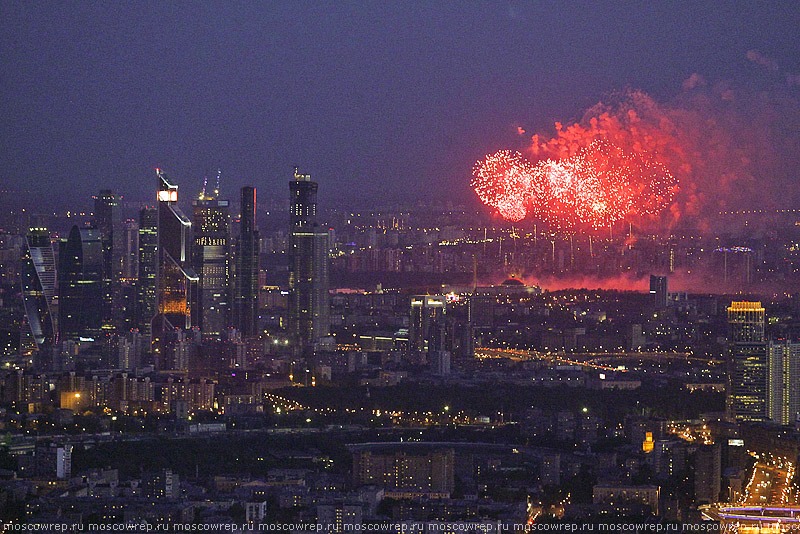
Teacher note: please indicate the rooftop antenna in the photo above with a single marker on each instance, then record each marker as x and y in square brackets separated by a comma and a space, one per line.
[216, 189]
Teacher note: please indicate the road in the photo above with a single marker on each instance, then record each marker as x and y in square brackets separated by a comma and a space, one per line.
[771, 484]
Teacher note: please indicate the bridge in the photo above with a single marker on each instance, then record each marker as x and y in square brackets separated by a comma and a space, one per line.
[770, 500]
[779, 518]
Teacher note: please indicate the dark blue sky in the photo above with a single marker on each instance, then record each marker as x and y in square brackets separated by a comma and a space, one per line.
[375, 99]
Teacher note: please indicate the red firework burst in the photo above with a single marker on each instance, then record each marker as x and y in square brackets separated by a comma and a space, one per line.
[598, 186]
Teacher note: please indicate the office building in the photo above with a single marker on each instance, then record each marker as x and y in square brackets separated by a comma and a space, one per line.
[105, 204]
[308, 303]
[82, 290]
[747, 349]
[211, 262]
[130, 250]
[247, 266]
[147, 270]
[38, 275]
[784, 382]
[176, 281]
[658, 289]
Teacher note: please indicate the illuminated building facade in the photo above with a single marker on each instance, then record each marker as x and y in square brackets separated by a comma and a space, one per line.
[747, 347]
[308, 303]
[247, 266]
[176, 281]
[38, 275]
[82, 291]
[211, 262]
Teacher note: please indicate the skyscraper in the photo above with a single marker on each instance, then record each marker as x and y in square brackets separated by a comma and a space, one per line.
[176, 281]
[211, 261]
[784, 382]
[309, 309]
[105, 204]
[38, 276]
[130, 250]
[747, 347]
[426, 325]
[148, 268]
[658, 288]
[247, 266]
[81, 287]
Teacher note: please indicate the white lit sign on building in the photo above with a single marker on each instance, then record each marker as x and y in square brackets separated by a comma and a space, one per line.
[168, 196]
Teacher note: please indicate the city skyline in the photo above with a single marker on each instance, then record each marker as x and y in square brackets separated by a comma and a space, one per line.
[398, 267]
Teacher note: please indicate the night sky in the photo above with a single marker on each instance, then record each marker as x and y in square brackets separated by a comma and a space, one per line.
[375, 99]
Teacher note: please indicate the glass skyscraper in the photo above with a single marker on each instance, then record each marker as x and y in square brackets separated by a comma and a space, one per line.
[309, 309]
[747, 362]
[176, 281]
[211, 261]
[38, 275]
[105, 207]
[147, 270]
[81, 288]
[247, 266]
